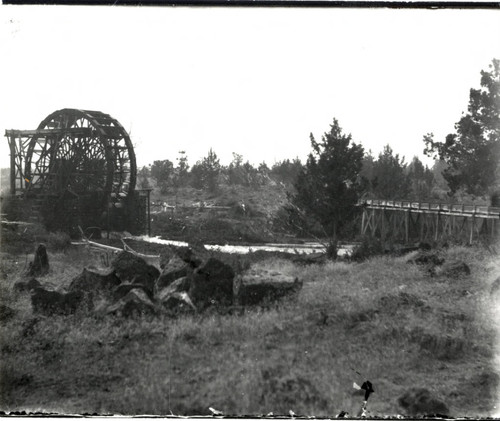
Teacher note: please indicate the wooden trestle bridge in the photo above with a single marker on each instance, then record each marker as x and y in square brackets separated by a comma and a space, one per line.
[401, 220]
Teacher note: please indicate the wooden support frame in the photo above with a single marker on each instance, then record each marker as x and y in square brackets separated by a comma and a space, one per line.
[409, 221]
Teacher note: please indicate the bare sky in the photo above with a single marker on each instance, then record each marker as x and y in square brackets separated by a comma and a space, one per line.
[255, 81]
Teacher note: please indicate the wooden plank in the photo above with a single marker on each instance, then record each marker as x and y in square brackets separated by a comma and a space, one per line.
[24, 133]
[111, 248]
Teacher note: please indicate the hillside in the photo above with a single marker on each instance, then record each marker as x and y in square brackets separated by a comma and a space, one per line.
[233, 214]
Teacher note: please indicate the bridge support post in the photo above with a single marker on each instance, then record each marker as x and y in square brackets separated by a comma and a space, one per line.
[472, 224]
[407, 223]
[382, 228]
[438, 217]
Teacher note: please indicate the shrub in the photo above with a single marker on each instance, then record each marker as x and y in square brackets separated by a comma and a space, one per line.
[58, 241]
[13, 207]
[369, 247]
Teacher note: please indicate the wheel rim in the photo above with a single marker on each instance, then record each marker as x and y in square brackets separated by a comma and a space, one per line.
[90, 151]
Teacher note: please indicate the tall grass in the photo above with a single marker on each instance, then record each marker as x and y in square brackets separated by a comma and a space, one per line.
[383, 318]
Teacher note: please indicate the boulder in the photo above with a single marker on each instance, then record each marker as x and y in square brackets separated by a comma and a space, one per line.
[49, 303]
[95, 281]
[178, 302]
[175, 297]
[135, 304]
[187, 255]
[421, 402]
[175, 268]
[427, 258]
[40, 264]
[123, 289]
[454, 269]
[261, 286]
[179, 285]
[131, 268]
[27, 286]
[212, 284]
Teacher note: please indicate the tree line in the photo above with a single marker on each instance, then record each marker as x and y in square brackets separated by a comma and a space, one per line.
[338, 172]
[386, 176]
[209, 174]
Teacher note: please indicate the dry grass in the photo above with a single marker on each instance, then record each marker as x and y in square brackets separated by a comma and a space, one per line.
[384, 318]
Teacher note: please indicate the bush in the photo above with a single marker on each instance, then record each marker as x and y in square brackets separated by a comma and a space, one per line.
[369, 247]
[14, 208]
[58, 241]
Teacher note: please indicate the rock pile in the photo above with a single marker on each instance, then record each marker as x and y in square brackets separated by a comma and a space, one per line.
[186, 284]
[436, 265]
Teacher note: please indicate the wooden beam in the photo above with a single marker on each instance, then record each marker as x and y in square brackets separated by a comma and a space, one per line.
[86, 131]
[12, 146]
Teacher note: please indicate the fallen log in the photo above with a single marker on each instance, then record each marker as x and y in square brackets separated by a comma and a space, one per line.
[93, 244]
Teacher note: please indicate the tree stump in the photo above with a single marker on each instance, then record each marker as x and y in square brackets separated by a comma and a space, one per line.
[40, 264]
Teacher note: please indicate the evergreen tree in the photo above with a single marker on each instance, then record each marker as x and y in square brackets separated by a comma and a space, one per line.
[389, 176]
[473, 151]
[328, 187]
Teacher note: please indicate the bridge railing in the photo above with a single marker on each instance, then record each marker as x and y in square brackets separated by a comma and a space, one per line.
[428, 207]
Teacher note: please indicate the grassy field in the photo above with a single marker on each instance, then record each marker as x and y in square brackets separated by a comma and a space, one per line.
[384, 318]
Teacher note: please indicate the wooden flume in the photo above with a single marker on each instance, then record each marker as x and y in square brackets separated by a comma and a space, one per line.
[406, 221]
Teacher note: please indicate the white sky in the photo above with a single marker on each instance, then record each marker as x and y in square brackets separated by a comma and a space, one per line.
[255, 81]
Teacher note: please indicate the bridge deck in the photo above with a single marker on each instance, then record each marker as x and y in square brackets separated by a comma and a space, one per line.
[477, 211]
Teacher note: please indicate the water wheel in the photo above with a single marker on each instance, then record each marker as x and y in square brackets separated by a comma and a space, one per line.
[80, 152]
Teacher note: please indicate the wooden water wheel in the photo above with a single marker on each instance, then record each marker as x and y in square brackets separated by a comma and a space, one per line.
[80, 152]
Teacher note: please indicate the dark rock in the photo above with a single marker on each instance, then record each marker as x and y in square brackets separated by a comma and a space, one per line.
[123, 289]
[40, 264]
[187, 255]
[420, 402]
[175, 298]
[212, 284]
[175, 268]
[429, 261]
[30, 285]
[178, 302]
[179, 285]
[425, 258]
[454, 269]
[263, 286]
[6, 313]
[135, 304]
[49, 303]
[132, 268]
[95, 282]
